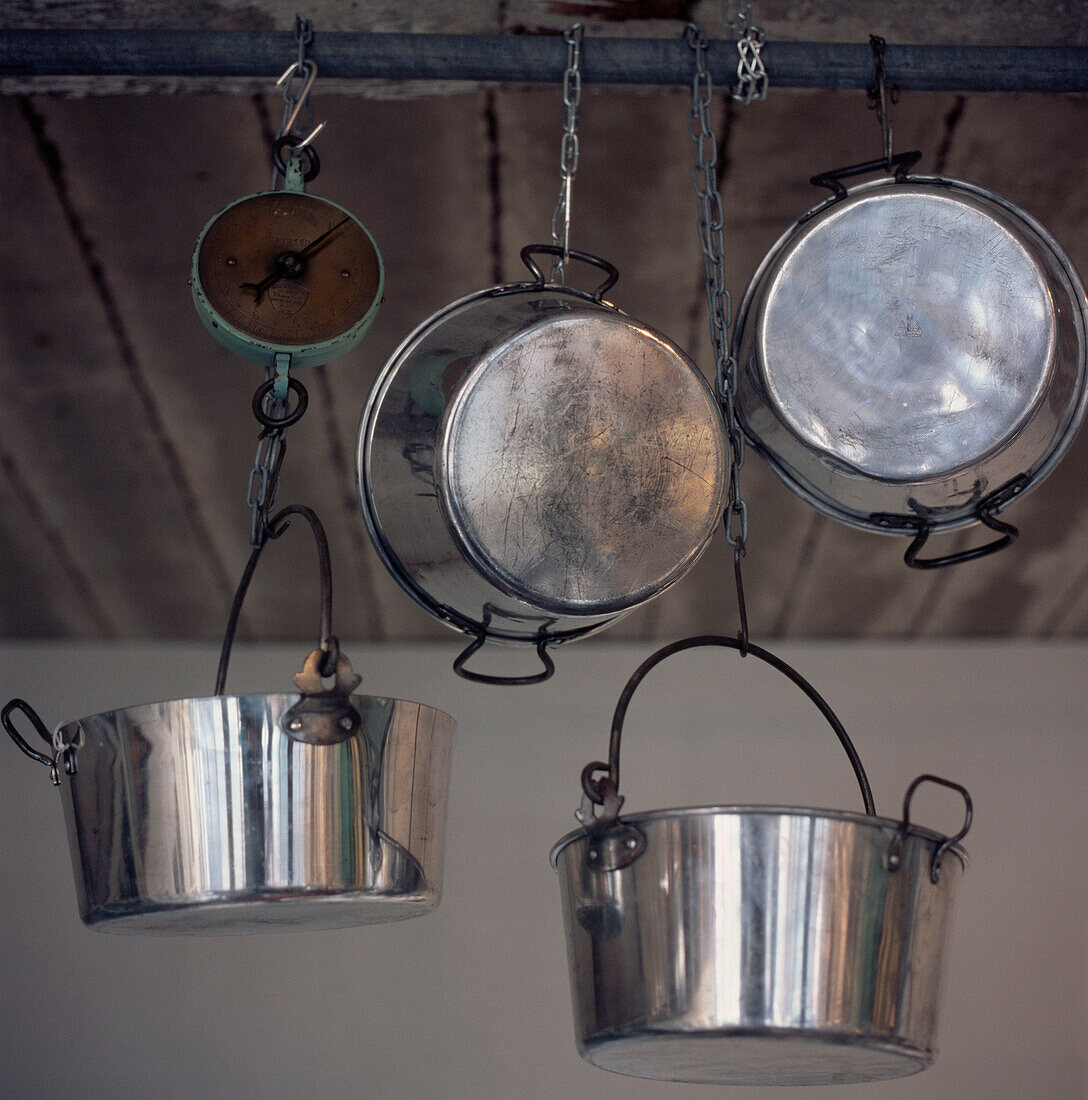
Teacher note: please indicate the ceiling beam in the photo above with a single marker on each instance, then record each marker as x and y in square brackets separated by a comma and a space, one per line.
[530, 59]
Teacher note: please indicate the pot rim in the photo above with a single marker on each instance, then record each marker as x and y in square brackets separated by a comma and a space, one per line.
[1044, 462]
[293, 696]
[852, 817]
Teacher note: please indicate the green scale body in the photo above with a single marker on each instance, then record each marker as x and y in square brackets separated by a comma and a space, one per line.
[286, 279]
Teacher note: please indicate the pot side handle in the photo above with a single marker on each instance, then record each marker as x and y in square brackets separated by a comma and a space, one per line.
[1007, 536]
[901, 162]
[612, 274]
[985, 513]
[510, 681]
[51, 761]
[320, 717]
[895, 857]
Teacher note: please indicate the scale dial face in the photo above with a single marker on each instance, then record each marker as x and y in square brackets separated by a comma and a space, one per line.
[285, 271]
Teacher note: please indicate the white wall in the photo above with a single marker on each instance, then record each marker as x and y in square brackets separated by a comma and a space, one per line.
[473, 1001]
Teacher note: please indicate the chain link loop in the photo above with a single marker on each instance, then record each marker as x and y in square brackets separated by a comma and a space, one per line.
[271, 406]
[704, 176]
[264, 478]
[568, 151]
[751, 74]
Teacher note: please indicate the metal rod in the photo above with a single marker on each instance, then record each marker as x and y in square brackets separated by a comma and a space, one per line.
[533, 59]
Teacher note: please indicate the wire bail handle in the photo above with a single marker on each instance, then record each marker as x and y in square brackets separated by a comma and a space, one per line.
[603, 791]
[321, 717]
[568, 150]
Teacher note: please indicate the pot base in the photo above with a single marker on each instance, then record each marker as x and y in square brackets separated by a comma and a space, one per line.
[234, 916]
[751, 1057]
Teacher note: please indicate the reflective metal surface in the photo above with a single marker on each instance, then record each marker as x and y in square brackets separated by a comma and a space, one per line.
[910, 349]
[203, 816]
[758, 945]
[534, 460]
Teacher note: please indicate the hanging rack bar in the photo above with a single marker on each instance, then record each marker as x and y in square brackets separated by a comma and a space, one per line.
[532, 59]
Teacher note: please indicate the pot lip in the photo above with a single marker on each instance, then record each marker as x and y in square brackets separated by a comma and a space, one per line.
[400, 354]
[289, 698]
[402, 351]
[849, 816]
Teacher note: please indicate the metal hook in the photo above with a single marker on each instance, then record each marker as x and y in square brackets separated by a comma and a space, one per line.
[307, 71]
[739, 21]
[880, 94]
[742, 607]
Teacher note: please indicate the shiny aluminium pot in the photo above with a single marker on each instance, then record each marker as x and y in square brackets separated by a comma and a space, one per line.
[754, 944]
[245, 813]
[533, 464]
[204, 816]
[912, 356]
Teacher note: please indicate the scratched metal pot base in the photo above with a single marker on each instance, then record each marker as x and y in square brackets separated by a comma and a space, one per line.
[754, 944]
[533, 463]
[912, 355]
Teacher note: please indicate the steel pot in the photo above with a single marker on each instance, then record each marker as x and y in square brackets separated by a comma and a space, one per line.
[912, 357]
[754, 944]
[245, 813]
[533, 464]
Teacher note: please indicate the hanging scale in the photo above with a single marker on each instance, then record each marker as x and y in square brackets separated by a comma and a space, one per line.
[286, 279]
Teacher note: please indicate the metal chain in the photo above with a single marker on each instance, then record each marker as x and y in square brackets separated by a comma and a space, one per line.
[568, 151]
[271, 406]
[751, 74]
[704, 175]
[264, 478]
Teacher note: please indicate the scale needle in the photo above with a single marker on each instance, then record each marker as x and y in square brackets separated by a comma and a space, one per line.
[290, 265]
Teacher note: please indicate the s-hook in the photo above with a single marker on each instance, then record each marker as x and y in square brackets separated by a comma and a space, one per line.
[881, 94]
[297, 81]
